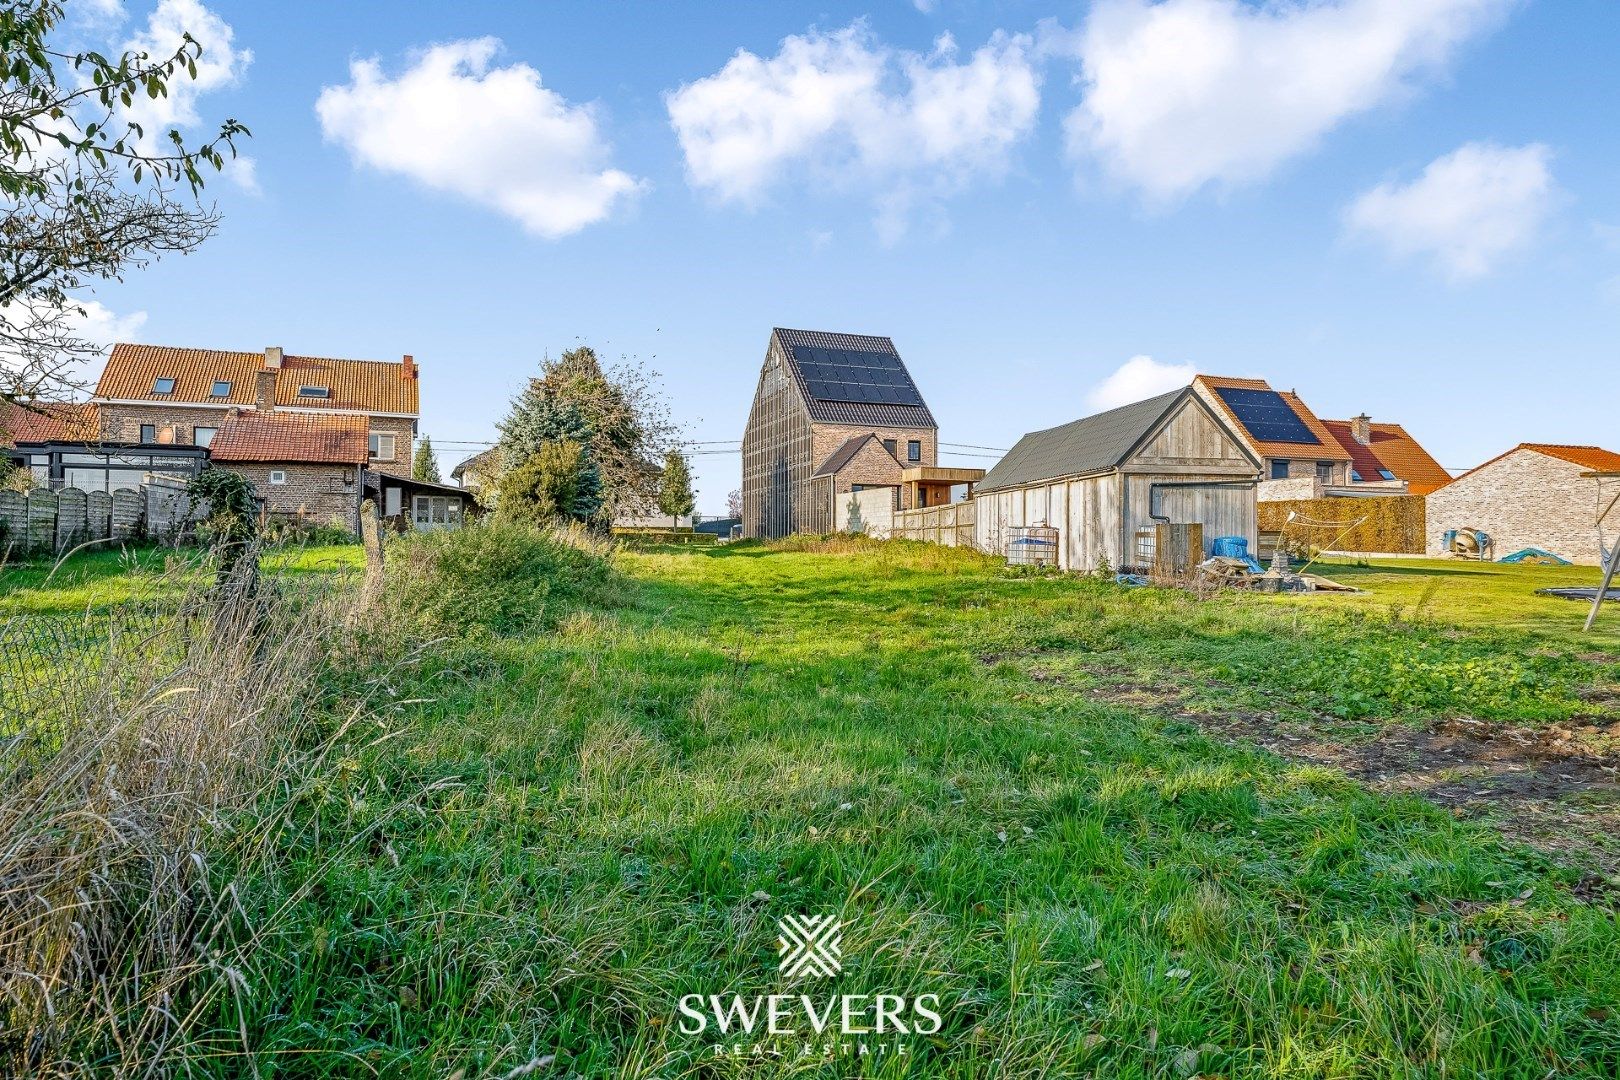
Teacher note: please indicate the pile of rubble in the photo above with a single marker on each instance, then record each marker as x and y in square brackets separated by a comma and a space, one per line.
[1278, 578]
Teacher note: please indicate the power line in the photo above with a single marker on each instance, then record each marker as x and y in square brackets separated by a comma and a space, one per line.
[975, 446]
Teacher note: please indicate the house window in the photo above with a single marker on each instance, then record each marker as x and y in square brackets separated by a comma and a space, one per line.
[1386, 474]
[278, 476]
[381, 446]
[1324, 471]
[1355, 476]
[203, 436]
[1279, 468]
[148, 433]
[892, 447]
[914, 450]
[162, 386]
[435, 511]
[221, 389]
[315, 391]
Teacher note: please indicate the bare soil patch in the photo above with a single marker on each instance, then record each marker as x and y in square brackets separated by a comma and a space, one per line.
[1556, 787]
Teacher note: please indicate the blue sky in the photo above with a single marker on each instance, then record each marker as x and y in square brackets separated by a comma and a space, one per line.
[1404, 207]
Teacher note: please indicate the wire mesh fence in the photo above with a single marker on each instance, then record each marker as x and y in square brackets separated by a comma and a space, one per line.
[48, 662]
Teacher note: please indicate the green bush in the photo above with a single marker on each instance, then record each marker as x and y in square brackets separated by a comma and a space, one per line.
[501, 575]
[635, 536]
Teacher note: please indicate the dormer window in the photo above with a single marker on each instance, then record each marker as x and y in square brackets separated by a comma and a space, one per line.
[315, 391]
[222, 389]
[162, 386]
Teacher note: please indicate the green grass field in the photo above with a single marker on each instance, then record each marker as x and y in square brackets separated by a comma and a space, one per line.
[1004, 786]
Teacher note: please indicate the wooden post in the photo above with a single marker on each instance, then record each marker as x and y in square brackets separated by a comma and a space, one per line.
[371, 539]
[1177, 548]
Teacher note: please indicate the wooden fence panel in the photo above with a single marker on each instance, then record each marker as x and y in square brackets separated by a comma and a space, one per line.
[41, 520]
[71, 522]
[128, 508]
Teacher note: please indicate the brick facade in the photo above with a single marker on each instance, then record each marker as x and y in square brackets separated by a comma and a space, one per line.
[318, 494]
[176, 424]
[825, 438]
[1522, 499]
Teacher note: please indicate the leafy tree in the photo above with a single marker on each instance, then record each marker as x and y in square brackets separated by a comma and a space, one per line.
[617, 417]
[675, 496]
[86, 194]
[232, 522]
[557, 483]
[425, 466]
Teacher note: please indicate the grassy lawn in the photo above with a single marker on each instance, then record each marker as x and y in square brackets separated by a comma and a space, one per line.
[98, 580]
[1479, 594]
[1007, 789]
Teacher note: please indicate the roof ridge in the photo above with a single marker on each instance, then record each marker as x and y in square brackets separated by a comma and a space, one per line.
[258, 353]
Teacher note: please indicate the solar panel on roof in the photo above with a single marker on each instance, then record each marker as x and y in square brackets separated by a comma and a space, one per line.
[855, 375]
[1266, 416]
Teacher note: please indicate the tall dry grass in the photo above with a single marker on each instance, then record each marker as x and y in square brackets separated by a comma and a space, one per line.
[125, 789]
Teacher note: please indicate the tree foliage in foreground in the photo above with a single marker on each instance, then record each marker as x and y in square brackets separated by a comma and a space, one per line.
[556, 483]
[86, 193]
[616, 415]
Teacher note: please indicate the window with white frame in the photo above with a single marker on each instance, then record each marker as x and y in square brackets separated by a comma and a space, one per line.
[278, 476]
[203, 436]
[381, 446]
[435, 511]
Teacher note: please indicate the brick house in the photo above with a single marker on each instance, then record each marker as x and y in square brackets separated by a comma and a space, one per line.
[156, 394]
[831, 413]
[480, 474]
[1280, 430]
[1534, 495]
[1385, 455]
[302, 466]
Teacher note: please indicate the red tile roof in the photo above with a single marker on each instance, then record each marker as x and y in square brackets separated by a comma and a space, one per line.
[40, 421]
[1592, 457]
[1326, 448]
[291, 437]
[1393, 449]
[369, 386]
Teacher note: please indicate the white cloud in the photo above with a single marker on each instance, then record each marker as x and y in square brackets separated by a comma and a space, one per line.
[1138, 378]
[1184, 93]
[1467, 209]
[927, 7]
[89, 321]
[493, 135]
[845, 111]
[220, 65]
[97, 14]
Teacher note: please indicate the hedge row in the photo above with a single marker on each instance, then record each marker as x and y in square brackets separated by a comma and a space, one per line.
[1395, 523]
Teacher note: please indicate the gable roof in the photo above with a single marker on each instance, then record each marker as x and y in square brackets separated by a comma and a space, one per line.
[42, 421]
[880, 352]
[846, 453]
[369, 386]
[292, 438]
[1590, 457]
[1392, 449]
[480, 460]
[1326, 448]
[1091, 444]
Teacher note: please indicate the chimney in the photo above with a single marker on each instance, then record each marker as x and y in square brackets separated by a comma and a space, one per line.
[264, 398]
[1361, 429]
[407, 367]
[272, 357]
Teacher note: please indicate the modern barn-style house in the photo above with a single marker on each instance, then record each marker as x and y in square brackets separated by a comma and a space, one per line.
[833, 414]
[1104, 482]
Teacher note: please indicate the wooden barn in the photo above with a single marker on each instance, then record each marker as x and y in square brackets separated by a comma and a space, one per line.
[1105, 482]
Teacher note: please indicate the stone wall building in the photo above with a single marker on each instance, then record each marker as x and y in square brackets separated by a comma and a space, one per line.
[156, 394]
[304, 468]
[832, 413]
[1534, 495]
